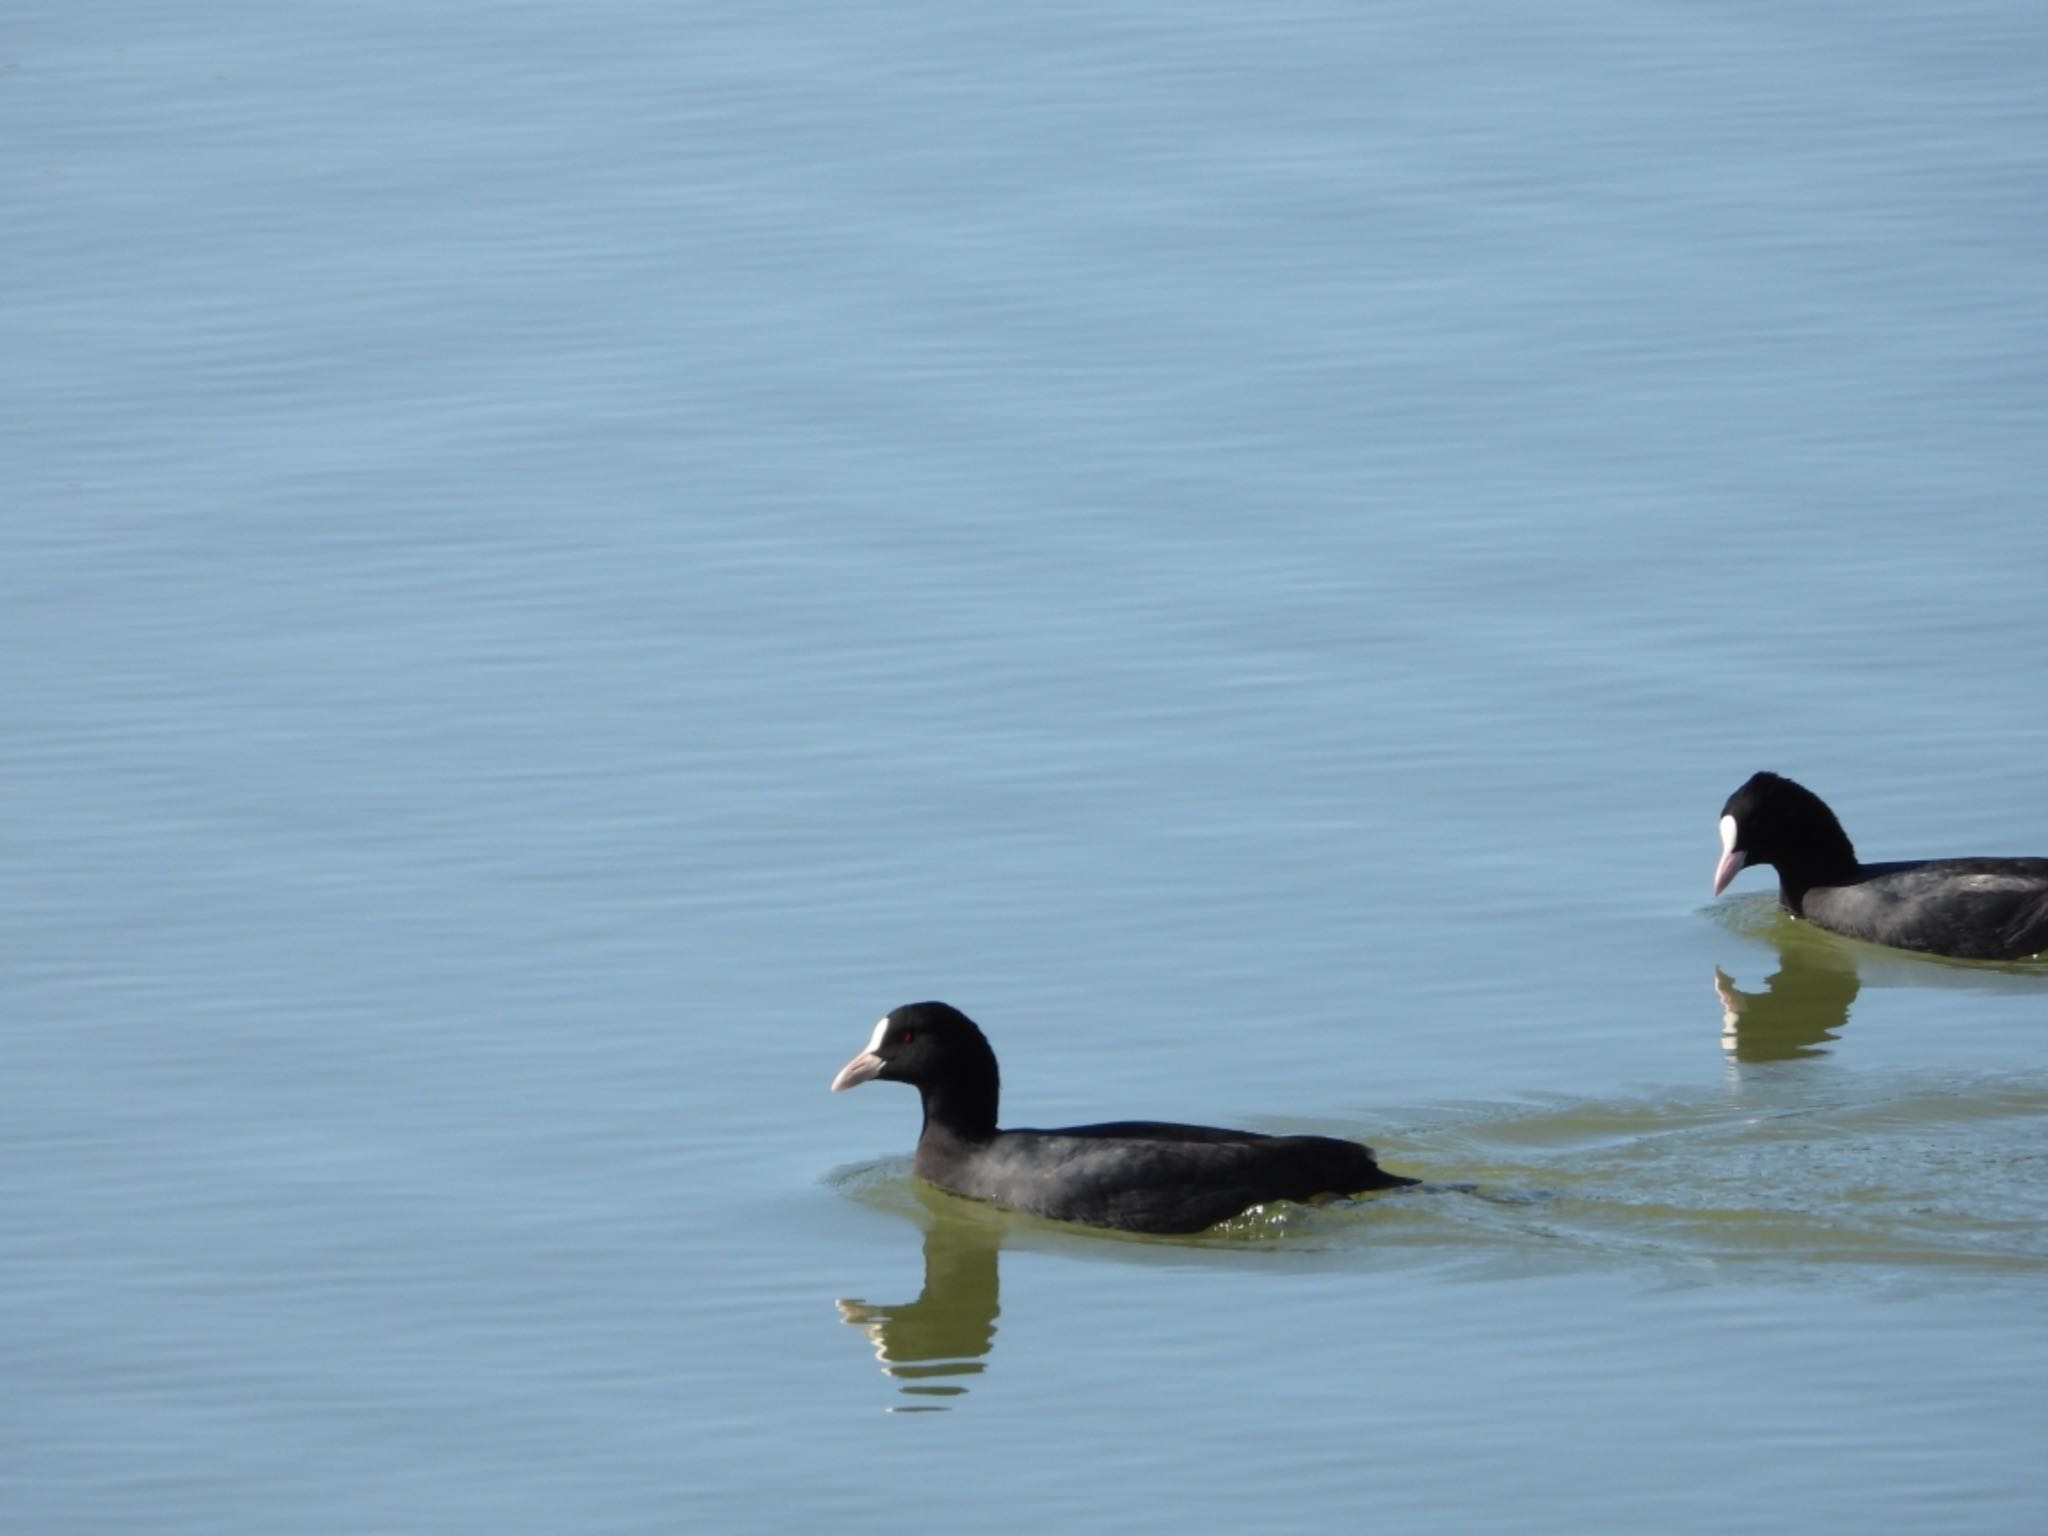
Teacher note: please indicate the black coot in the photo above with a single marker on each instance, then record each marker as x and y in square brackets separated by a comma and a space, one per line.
[1135, 1175]
[1973, 909]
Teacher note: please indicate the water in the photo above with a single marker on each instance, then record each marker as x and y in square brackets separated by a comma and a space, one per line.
[559, 563]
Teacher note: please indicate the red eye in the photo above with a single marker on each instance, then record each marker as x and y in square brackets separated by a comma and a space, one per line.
[905, 1038]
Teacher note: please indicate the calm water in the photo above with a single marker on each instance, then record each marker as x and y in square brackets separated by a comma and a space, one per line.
[559, 561]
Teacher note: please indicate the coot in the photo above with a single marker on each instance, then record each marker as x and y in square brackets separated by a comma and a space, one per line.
[1135, 1175]
[1973, 909]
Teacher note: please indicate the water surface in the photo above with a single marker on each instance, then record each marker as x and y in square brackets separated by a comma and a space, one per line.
[560, 563]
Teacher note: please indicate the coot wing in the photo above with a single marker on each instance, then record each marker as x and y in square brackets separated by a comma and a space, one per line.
[1974, 909]
[1145, 1176]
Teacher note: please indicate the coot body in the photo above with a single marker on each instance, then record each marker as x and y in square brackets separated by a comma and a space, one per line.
[1133, 1175]
[1970, 908]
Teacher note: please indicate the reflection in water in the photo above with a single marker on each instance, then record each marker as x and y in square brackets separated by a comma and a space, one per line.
[929, 1343]
[1804, 1006]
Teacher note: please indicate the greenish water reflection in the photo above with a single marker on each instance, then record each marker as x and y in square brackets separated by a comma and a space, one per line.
[931, 1344]
[1803, 1006]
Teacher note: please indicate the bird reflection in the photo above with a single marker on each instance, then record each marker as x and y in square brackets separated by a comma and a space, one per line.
[1803, 1006]
[929, 1345]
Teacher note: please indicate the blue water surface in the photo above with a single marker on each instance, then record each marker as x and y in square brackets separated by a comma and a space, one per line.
[560, 561]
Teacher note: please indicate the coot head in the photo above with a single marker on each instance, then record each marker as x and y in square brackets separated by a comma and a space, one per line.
[939, 1051]
[1771, 820]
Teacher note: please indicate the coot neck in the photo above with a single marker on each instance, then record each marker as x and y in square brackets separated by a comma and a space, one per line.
[1826, 858]
[962, 1109]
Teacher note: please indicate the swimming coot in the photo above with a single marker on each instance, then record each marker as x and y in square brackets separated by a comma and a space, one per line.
[1973, 909]
[1135, 1175]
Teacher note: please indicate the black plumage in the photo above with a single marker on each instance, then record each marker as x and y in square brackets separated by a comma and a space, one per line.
[1133, 1175]
[1970, 908]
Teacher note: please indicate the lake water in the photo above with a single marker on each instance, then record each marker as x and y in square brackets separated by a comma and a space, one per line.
[560, 561]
